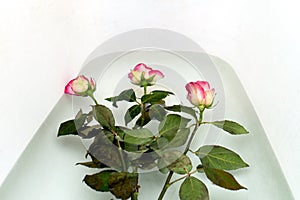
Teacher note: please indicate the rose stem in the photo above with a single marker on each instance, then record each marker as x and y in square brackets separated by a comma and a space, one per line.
[167, 183]
[94, 99]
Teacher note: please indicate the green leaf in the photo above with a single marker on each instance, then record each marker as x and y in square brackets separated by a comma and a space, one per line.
[218, 157]
[126, 95]
[99, 181]
[143, 120]
[171, 124]
[182, 165]
[104, 116]
[71, 127]
[180, 138]
[162, 166]
[162, 92]
[160, 143]
[123, 184]
[155, 96]
[176, 162]
[80, 119]
[147, 161]
[67, 128]
[95, 161]
[106, 152]
[200, 168]
[157, 112]
[138, 136]
[181, 108]
[193, 189]
[88, 132]
[222, 179]
[131, 113]
[230, 127]
[92, 165]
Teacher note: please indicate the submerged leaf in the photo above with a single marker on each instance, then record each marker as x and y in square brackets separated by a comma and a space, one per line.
[104, 116]
[176, 162]
[99, 181]
[138, 136]
[157, 112]
[182, 165]
[123, 184]
[171, 124]
[131, 113]
[143, 120]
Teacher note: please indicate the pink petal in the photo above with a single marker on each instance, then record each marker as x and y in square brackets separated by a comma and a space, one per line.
[204, 84]
[209, 97]
[158, 74]
[82, 77]
[93, 84]
[141, 67]
[135, 77]
[68, 88]
[196, 94]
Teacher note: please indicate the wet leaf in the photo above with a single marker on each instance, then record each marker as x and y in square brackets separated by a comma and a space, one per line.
[92, 165]
[176, 162]
[171, 124]
[143, 120]
[182, 165]
[131, 113]
[106, 152]
[138, 136]
[71, 127]
[180, 138]
[104, 116]
[123, 184]
[157, 112]
[99, 181]
[88, 132]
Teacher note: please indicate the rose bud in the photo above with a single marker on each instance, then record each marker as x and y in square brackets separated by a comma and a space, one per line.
[200, 94]
[143, 75]
[81, 86]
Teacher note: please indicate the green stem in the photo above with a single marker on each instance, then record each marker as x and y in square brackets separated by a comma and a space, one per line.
[193, 172]
[145, 89]
[167, 183]
[134, 196]
[121, 155]
[144, 106]
[94, 99]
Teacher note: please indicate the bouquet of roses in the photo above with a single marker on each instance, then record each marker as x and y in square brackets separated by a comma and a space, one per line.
[121, 152]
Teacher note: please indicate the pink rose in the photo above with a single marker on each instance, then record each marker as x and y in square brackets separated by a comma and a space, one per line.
[81, 86]
[200, 94]
[143, 75]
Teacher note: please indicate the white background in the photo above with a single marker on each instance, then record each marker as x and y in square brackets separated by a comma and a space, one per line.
[44, 42]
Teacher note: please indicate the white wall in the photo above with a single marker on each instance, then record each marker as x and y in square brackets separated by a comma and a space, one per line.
[43, 43]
